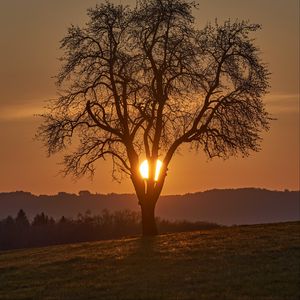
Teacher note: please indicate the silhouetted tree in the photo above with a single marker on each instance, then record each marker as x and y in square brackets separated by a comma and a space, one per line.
[21, 237]
[21, 219]
[9, 222]
[62, 220]
[140, 83]
[7, 233]
[40, 220]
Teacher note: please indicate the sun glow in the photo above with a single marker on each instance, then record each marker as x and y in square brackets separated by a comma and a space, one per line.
[144, 169]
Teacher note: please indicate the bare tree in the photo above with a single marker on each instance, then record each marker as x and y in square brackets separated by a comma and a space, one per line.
[139, 83]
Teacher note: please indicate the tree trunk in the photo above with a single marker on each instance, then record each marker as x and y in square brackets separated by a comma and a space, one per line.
[148, 218]
[148, 192]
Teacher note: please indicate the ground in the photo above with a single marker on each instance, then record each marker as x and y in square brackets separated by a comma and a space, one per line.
[240, 262]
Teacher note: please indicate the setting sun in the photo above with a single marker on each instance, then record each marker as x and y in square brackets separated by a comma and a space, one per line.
[144, 169]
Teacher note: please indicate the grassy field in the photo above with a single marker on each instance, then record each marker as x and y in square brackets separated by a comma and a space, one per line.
[244, 262]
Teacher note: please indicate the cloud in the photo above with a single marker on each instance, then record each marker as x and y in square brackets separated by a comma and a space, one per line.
[279, 103]
[11, 112]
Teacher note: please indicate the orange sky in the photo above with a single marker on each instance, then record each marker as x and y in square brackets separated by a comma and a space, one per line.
[30, 32]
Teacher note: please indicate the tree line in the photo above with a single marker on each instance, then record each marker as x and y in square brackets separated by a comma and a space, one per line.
[43, 230]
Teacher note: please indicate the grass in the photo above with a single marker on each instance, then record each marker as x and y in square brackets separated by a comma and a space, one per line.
[243, 262]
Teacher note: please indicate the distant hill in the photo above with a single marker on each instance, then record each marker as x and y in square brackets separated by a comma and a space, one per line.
[227, 206]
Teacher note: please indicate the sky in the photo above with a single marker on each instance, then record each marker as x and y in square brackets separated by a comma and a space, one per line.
[30, 33]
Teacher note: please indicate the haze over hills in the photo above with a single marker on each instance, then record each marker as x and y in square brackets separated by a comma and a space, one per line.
[228, 207]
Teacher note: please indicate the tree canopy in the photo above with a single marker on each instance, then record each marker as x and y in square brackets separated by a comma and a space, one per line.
[139, 83]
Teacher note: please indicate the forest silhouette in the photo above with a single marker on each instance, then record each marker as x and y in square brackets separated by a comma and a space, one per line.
[43, 230]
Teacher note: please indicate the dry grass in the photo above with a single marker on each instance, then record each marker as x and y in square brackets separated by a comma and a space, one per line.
[245, 262]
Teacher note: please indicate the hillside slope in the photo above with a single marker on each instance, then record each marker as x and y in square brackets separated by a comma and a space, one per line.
[243, 262]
